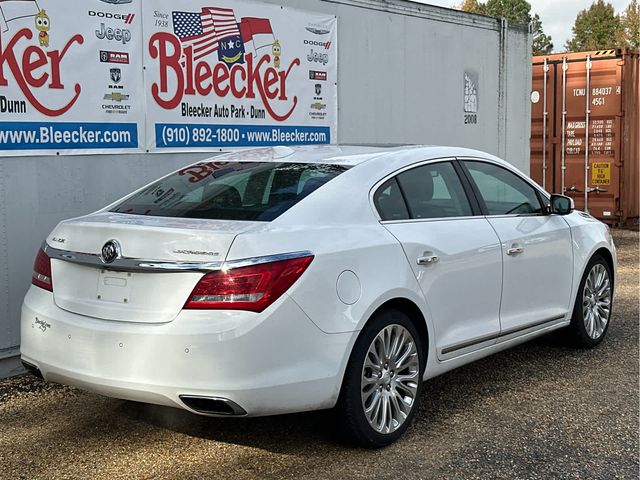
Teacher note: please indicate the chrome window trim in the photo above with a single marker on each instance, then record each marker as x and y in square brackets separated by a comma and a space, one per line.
[127, 264]
[512, 169]
[397, 172]
[423, 220]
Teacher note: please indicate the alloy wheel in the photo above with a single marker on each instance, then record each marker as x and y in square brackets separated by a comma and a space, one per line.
[390, 379]
[596, 301]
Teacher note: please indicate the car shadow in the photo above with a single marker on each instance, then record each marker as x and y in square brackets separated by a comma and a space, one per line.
[537, 361]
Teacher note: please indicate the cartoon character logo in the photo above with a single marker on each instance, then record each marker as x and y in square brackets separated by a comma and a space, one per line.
[277, 53]
[43, 25]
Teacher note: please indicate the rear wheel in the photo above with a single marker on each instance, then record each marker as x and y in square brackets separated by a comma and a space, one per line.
[383, 380]
[592, 310]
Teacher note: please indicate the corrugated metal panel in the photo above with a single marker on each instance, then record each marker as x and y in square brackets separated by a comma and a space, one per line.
[598, 165]
[401, 80]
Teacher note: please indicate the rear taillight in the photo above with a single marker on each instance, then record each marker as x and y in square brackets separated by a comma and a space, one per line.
[42, 271]
[251, 288]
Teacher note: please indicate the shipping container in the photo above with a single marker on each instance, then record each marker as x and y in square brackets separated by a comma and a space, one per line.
[403, 71]
[585, 124]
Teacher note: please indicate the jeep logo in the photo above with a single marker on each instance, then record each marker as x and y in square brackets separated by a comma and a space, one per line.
[118, 34]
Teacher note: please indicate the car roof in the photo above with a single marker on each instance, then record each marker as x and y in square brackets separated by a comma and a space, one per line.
[348, 155]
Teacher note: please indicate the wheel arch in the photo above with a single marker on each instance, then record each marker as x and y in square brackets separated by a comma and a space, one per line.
[414, 313]
[606, 254]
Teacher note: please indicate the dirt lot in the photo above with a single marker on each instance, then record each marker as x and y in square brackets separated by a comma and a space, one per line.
[538, 411]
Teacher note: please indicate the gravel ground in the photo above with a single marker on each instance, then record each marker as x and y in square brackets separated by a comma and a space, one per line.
[538, 411]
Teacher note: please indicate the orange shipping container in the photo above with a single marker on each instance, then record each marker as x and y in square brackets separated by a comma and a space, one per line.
[585, 124]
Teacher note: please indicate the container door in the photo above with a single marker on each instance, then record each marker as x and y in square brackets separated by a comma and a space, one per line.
[542, 101]
[592, 135]
[582, 97]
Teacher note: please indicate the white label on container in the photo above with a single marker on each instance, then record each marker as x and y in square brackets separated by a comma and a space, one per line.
[535, 97]
[606, 213]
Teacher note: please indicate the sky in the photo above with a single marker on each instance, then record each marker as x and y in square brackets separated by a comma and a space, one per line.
[557, 15]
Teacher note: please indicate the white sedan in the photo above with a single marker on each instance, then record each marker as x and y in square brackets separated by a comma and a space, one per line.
[290, 279]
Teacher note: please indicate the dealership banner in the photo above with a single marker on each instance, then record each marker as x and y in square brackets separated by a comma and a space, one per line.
[71, 77]
[230, 73]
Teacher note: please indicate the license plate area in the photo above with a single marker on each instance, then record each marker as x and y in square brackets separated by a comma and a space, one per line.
[114, 287]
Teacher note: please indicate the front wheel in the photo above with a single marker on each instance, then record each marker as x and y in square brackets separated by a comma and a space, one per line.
[592, 310]
[383, 380]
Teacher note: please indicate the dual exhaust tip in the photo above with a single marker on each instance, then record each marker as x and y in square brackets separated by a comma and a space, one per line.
[203, 405]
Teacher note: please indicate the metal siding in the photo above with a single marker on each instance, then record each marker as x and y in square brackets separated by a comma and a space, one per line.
[400, 75]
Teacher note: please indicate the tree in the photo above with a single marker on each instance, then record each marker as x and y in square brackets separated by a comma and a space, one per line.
[517, 12]
[542, 44]
[595, 28]
[629, 33]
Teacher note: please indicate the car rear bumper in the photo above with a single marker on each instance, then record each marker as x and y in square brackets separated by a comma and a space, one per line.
[274, 362]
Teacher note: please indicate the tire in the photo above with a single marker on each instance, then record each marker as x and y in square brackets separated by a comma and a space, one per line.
[377, 381]
[592, 310]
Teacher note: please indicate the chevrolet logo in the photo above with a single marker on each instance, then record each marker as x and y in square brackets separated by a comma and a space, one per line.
[116, 97]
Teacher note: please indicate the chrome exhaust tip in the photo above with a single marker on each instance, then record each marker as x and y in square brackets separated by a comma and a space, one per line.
[212, 405]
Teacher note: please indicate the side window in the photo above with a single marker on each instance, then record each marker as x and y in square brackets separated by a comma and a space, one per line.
[434, 191]
[503, 192]
[389, 202]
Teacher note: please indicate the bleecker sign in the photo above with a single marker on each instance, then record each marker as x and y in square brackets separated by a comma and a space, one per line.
[601, 173]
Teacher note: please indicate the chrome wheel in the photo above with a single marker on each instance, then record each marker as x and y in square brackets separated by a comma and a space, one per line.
[596, 301]
[390, 378]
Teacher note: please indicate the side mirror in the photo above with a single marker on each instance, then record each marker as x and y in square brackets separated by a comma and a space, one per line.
[562, 205]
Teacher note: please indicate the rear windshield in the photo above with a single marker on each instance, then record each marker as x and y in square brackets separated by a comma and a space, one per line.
[255, 191]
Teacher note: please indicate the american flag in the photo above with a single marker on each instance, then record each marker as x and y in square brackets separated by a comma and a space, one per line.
[202, 31]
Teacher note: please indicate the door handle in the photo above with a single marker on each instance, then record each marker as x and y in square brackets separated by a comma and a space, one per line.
[515, 250]
[428, 260]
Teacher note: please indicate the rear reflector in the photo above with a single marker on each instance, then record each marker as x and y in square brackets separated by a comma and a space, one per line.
[251, 288]
[42, 271]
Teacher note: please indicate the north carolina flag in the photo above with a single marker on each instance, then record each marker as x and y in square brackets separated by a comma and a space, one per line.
[258, 31]
[14, 9]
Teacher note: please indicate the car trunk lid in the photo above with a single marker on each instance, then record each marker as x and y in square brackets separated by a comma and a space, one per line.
[116, 293]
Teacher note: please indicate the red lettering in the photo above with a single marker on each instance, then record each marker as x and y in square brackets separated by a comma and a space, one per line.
[220, 75]
[283, 79]
[56, 57]
[241, 80]
[158, 49]
[238, 70]
[203, 72]
[29, 64]
[33, 59]
[188, 61]
[271, 80]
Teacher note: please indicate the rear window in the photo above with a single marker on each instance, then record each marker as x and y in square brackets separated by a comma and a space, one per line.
[254, 191]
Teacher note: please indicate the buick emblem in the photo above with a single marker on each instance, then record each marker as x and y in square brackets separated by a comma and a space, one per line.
[110, 251]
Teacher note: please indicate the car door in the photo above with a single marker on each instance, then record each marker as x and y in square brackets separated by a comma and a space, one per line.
[536, 248]
[453, 251]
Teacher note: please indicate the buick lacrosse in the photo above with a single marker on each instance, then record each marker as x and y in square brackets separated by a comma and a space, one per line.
[286, 279]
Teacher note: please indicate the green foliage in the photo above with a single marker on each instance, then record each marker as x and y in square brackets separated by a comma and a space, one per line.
[595, 28]
[542, 44]
[629, 34]
[516, 12]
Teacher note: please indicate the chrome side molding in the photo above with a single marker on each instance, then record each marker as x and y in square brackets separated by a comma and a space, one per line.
[128, 264]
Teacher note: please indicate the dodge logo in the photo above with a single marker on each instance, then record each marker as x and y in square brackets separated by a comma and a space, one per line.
[110, 251]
